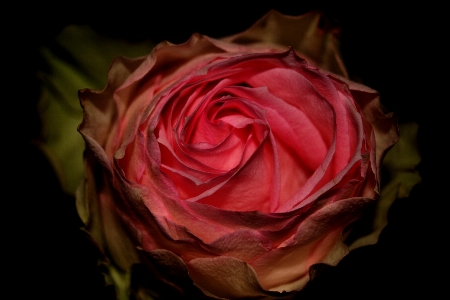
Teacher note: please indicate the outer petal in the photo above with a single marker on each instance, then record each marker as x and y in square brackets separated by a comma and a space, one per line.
[310, 34]
[165, 275]
[229, 278]
[384, 126]
[318, 239]
[96, 207]
[99, 111]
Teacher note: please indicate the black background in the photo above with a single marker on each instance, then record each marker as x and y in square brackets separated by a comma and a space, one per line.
[395, 50]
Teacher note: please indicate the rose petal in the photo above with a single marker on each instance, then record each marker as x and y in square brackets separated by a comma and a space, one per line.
[229, 278]
[304, 33]
[318, 239]
[164, 274]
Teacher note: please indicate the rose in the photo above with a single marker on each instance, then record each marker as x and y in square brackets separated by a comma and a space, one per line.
[237, 163]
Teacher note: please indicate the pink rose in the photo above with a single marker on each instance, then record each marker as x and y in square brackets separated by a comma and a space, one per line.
[237, 163]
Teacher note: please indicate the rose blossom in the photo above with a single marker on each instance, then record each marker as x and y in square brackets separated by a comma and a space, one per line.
[237, 162]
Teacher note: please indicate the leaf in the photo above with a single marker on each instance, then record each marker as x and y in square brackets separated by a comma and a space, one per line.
[77, 58]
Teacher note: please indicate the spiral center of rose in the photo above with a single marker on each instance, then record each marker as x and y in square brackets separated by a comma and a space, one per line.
[231, 140]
